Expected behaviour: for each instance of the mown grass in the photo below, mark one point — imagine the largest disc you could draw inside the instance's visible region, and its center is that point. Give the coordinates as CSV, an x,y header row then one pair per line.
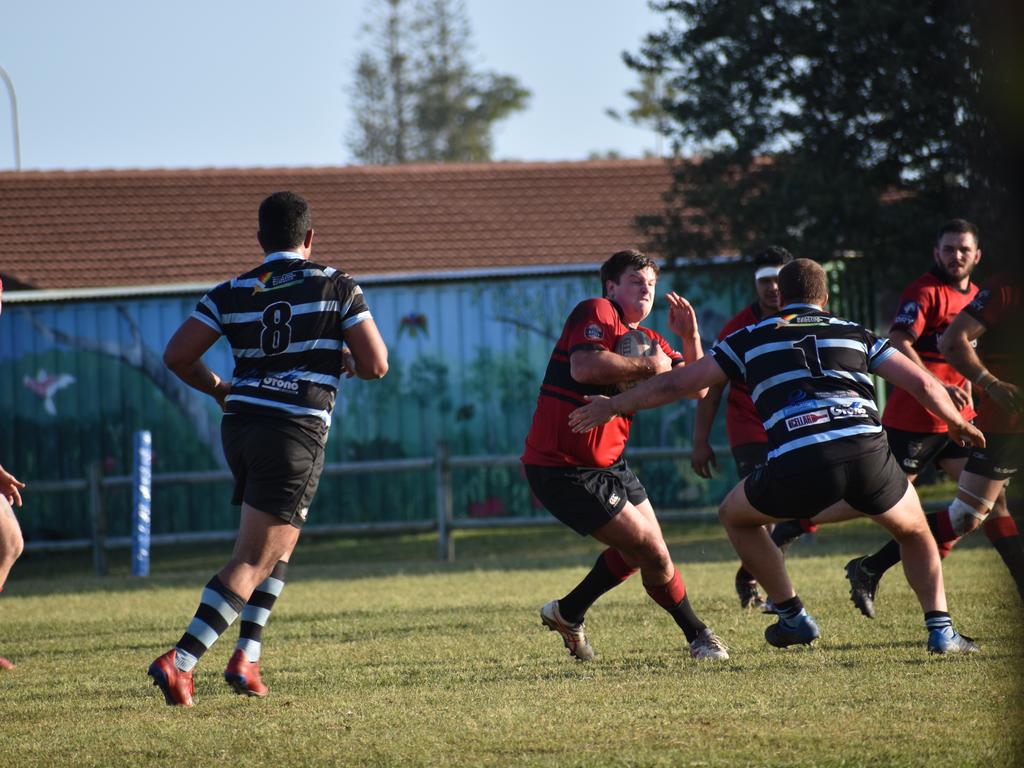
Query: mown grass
x,y
378,655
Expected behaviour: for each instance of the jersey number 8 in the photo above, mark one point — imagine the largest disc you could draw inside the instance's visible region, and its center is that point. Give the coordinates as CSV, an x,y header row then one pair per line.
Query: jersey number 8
x,y
277,330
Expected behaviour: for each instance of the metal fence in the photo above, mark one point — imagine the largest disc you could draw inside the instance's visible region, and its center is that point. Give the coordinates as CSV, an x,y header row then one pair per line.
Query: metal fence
x,y
440,465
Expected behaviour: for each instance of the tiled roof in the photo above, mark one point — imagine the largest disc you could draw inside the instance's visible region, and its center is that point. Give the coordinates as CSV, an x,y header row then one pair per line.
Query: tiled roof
x,y
94,229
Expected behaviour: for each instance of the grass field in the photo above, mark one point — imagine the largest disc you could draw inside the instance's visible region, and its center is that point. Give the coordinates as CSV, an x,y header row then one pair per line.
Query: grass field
x,y
377,655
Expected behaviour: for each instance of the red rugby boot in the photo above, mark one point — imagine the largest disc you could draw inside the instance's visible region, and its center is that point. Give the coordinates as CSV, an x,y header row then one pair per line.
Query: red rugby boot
x,y
177,686
244,675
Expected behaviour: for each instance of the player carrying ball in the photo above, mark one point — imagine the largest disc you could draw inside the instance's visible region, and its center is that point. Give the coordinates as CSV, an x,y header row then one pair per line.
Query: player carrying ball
x,y
583,479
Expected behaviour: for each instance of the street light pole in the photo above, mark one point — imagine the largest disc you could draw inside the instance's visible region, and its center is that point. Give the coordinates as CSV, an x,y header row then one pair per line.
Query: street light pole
x,y
14,118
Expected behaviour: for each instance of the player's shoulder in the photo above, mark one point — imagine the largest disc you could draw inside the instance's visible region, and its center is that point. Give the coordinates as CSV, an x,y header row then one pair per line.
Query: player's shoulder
x,y
595,308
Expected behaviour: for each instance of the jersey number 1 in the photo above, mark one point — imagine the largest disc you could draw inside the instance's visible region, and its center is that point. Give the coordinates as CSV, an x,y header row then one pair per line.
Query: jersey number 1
x,y
808,347
277,329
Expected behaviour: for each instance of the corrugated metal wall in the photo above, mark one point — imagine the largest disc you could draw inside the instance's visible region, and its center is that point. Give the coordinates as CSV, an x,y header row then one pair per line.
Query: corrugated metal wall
x,y
77,378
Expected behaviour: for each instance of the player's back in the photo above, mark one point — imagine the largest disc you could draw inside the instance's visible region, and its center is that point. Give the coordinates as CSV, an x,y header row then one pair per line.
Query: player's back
x,y
284,321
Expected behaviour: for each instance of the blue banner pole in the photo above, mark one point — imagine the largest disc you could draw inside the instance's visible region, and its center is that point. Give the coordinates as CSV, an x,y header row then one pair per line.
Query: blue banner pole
x,y
142,479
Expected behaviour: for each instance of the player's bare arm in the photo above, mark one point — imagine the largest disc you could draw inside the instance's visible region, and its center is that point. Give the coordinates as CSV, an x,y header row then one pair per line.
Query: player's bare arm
x,y
10,487
183,356
929,391
957,346
904,342
602,367
682,319
365,354
682,381
703,460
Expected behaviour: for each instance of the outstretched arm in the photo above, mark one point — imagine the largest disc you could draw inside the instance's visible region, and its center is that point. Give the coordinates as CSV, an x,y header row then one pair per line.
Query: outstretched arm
x,y
929,391
682,381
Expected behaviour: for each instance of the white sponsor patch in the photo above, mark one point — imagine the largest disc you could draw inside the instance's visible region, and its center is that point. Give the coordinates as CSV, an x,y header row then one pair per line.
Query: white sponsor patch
x,y
847,411
613,499
807,419
279,385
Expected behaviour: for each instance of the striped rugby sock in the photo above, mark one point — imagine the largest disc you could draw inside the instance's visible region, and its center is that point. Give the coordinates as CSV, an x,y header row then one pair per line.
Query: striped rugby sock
x,y
218,608
257,612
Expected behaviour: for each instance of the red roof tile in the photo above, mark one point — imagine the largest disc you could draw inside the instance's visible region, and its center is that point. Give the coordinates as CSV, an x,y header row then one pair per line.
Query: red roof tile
x,y
93,229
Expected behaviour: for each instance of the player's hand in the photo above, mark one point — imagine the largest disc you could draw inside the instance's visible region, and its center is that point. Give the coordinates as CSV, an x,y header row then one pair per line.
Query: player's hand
x,y
662,362
682,318
220,392
596,412
348,362
966,434
702,459
961,397
10,487
1005,395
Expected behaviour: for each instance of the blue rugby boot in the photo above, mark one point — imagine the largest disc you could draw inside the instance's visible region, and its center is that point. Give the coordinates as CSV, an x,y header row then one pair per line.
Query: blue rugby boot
x,y
804,632
947,640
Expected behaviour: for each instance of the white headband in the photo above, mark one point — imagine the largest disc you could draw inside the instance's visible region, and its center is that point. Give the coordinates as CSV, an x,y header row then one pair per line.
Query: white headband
x,y
764,272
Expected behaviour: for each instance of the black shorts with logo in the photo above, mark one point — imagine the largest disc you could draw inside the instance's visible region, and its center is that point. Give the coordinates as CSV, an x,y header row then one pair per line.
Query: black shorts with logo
x,y
871,484
1001,457
748,457
585,498
276,464
914,451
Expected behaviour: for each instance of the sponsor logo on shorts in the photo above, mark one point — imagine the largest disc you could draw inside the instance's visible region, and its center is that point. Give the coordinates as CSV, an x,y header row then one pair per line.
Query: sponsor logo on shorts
x,y
847,411
914,447
910,463
614,499
593,331
807,419
907,314
302,513
1004,470
278,384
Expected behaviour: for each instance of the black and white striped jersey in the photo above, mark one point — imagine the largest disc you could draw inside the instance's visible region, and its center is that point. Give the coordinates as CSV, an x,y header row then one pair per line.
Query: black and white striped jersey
x,y
809,377
284,321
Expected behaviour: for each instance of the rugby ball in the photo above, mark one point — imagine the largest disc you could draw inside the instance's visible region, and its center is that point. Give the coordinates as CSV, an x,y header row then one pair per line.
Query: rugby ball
x,y
633,343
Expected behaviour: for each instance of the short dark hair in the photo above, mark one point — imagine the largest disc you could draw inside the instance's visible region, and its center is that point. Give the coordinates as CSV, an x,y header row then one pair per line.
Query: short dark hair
x,y
803,280
772,256
284,221
960,227
620,261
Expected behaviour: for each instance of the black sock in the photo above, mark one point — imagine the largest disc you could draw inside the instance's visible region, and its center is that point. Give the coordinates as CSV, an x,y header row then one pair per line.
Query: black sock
x,y
608,572
786,532
687,619
789,610
743,575
1011,549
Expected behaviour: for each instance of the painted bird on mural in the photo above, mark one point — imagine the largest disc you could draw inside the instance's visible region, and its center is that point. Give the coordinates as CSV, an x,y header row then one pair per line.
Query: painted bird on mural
x,y
414,323
46,385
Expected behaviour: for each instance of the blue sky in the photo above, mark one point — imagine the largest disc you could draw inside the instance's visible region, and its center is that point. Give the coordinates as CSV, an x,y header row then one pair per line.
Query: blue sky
x,y
184,84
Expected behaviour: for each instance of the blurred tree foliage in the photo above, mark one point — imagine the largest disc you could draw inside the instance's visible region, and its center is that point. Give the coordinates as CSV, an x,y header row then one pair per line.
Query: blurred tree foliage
x,y
831,126
416,94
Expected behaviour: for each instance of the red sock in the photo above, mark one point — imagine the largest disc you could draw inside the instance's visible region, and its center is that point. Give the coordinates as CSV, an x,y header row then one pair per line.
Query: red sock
x,y
1000,528
670,594
617,564
944,528
808,526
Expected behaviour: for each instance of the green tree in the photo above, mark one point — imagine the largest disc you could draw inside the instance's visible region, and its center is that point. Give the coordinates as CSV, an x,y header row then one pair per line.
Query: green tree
x,y
416,96
828,126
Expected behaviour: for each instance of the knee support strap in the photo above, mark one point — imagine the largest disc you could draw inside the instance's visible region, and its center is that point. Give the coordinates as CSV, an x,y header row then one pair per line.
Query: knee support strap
x,y
960,513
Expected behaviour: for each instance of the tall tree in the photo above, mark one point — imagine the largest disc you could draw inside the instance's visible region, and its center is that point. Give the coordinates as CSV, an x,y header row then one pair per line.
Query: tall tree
x,y
829,126
417,98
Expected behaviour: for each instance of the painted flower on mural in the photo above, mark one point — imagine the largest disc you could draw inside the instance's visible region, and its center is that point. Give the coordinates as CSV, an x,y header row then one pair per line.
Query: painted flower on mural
x,y
46,385
414,324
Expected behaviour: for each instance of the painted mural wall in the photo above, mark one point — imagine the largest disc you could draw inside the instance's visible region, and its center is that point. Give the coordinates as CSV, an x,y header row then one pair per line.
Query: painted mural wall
x,y
77,378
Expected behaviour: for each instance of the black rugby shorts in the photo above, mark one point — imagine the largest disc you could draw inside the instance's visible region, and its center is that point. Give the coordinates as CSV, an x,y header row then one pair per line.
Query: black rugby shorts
x,y
748,457
871,484
276,465
914,451
1001,457
585,498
